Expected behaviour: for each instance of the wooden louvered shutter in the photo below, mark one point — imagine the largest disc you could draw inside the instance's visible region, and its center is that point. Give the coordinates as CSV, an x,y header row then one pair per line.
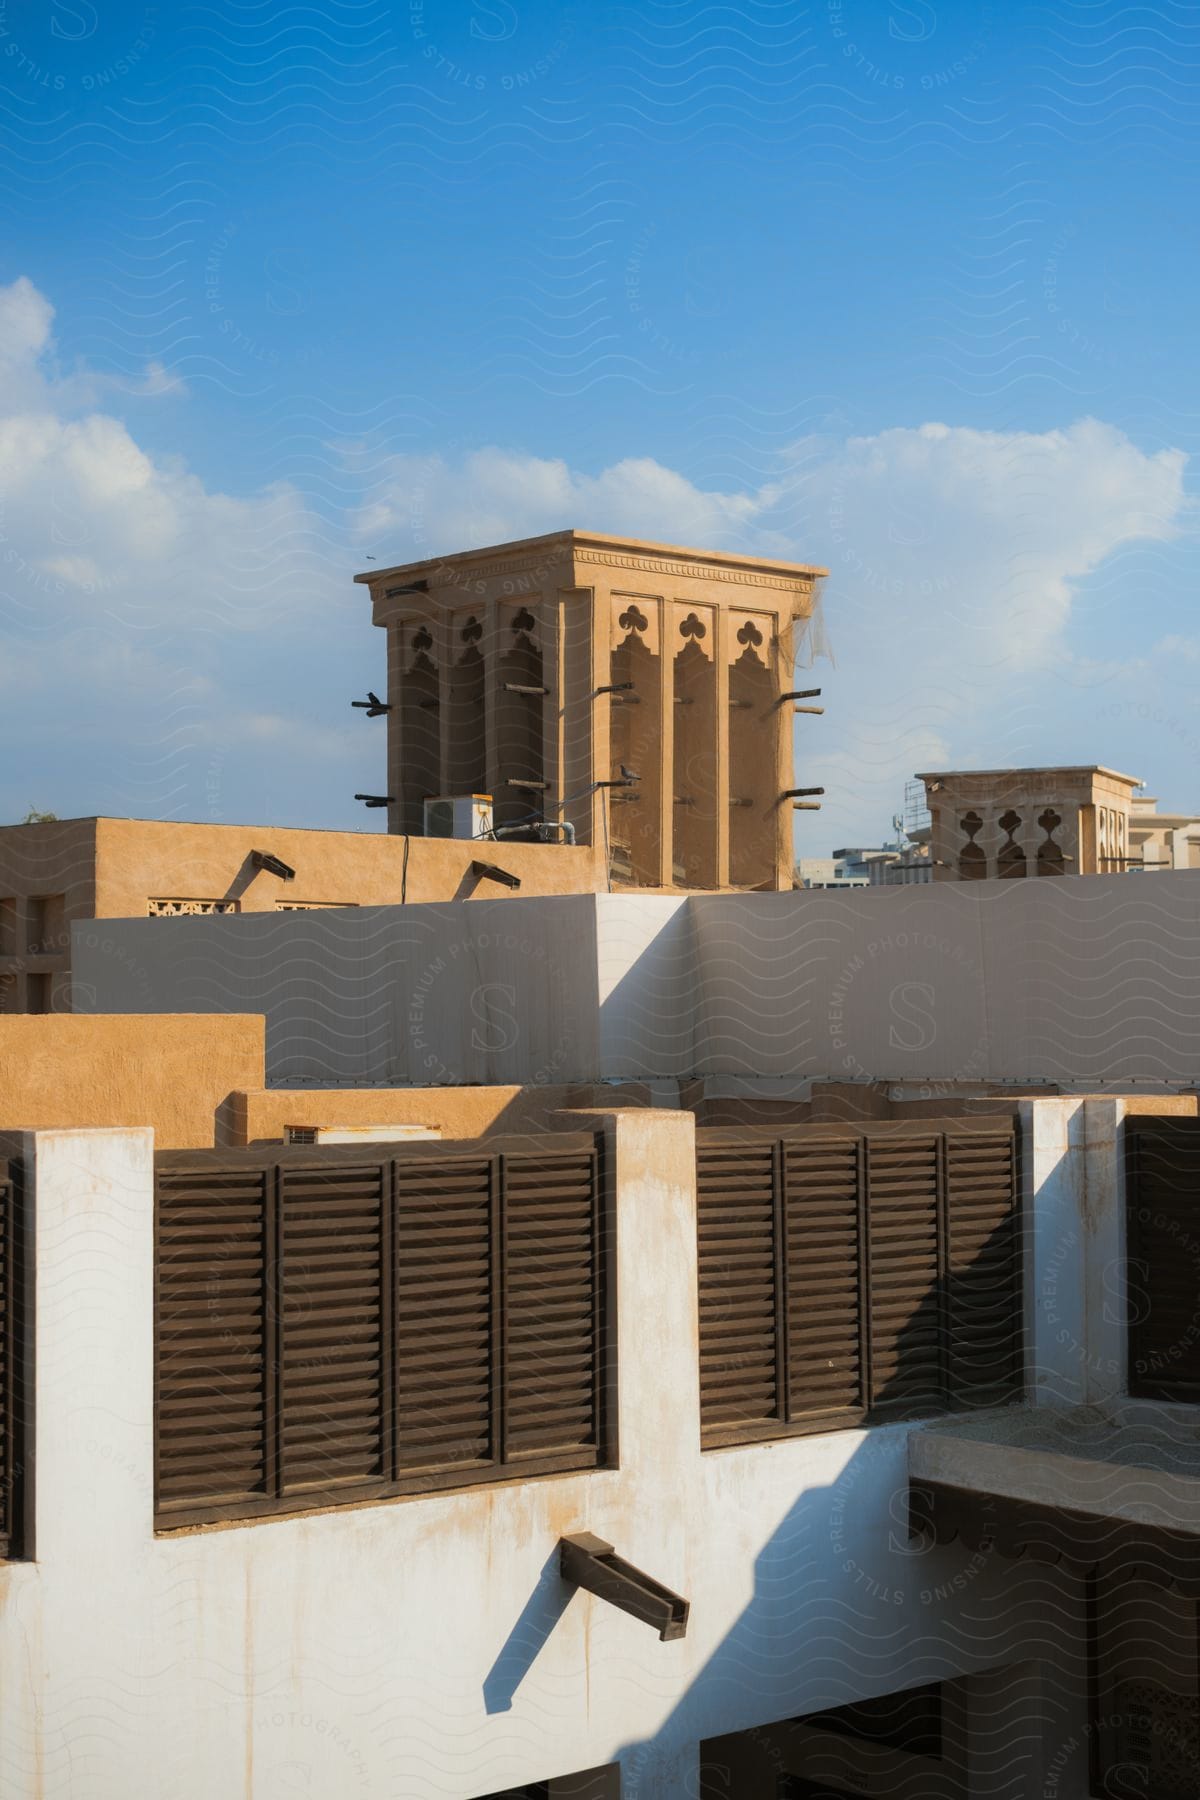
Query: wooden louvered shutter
x,y
213,1254
446,1214
1163,1232
985,1300
551,1322
824,1280
333,1239
7,1357
905,1274
740,1297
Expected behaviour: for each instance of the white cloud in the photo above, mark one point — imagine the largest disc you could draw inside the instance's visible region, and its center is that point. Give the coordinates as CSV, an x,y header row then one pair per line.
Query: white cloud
x,y
974,538
86,514
957,556
26,317
426,506
977,540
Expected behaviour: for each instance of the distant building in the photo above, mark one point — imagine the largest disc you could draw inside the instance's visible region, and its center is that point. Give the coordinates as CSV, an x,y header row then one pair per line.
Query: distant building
x,y
1016,822
901,868
1077,820
1162,840
844,869
890,865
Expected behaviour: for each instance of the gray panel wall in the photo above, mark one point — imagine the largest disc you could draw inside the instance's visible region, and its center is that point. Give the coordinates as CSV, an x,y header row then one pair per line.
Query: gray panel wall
x,y
1080,979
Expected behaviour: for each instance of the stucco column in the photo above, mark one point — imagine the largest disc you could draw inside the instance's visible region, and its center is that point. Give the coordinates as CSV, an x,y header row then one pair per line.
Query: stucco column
x,y
723,654
1104,1250
549,612
493,679
1074,1207
666,751
93,1211
658,1359
395,726
99,1673
585,750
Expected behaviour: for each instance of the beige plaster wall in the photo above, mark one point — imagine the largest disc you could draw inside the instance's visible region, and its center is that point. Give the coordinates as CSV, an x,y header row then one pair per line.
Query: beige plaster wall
x,y
47,881
139,858
173,1072
457,1112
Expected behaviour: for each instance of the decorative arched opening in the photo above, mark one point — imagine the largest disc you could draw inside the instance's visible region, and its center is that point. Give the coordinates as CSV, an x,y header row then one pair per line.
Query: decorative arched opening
x,y
1050,858
420,729
972,861
1011,862
635,738
520,751
694,809
753,800
466,712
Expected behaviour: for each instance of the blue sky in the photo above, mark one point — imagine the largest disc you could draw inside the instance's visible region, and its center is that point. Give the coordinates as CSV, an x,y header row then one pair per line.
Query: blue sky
x,y
906,289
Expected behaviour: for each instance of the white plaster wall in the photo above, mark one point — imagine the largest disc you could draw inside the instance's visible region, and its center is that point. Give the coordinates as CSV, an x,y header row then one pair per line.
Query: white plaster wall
x,y
425,1648
648,978
1084,980
1074,1200
1075,979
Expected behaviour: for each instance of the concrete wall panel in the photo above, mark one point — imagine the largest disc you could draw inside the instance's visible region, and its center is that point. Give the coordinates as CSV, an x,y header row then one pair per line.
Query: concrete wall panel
x,y
1087,979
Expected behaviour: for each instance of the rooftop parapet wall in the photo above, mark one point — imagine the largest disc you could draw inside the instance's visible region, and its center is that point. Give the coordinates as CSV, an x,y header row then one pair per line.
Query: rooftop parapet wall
x,y
176,1075
62,873
1081,982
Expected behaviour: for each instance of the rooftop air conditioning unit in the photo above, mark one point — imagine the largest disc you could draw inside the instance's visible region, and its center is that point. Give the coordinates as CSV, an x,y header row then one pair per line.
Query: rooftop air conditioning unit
x,y
458,816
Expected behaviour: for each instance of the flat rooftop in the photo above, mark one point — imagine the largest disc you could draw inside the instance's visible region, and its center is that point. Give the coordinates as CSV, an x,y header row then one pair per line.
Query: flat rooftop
x,y
1034,769
1135,1460
564,542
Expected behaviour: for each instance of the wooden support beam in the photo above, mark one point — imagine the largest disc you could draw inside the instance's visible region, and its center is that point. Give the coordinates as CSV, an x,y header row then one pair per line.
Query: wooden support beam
x,y
588,1562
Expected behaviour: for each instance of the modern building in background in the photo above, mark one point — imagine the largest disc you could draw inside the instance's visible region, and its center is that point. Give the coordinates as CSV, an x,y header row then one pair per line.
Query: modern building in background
x,y
1159,840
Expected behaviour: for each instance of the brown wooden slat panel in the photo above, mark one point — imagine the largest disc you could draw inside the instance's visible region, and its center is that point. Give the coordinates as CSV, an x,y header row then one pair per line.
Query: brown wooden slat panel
x,y
378,1367
1163,1227
856,1272
985,1297
551,1282
331,1403
824,1336
739,1317
7,1357
444,1277
903,1276
211,1343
